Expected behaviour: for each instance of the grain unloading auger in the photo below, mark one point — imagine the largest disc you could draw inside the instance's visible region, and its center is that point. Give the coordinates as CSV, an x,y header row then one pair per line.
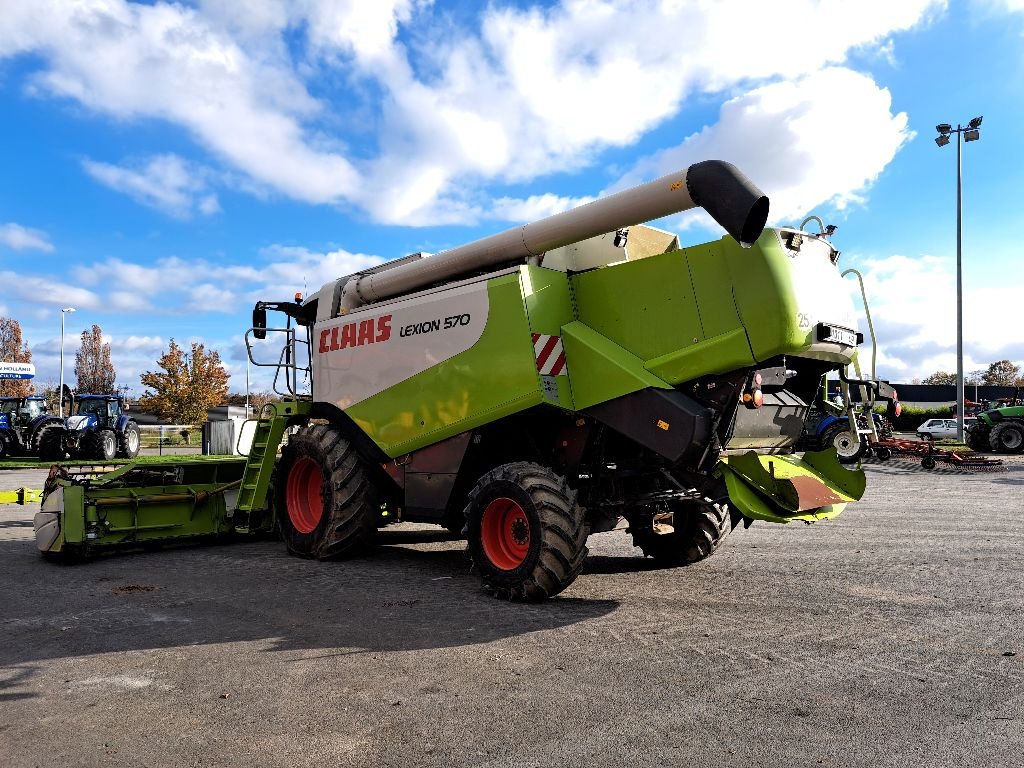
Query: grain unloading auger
x,y
557,379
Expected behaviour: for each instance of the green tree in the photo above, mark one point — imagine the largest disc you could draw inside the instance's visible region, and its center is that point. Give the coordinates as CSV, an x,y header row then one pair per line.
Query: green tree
x,y
189,385
93,367
14,349
1002,372
940,377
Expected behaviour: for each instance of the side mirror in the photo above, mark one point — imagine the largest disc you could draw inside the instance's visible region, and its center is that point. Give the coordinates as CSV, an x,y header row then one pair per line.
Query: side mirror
x,y
259,322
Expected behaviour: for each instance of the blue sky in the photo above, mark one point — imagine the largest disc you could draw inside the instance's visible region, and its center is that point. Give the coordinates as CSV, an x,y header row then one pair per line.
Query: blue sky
x,y
166,164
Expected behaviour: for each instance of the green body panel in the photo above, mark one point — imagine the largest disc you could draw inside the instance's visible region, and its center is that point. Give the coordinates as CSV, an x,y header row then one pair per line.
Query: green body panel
x,y
645,306
1010,412
547,298
762,486
604,370
106,513
494,378
549,307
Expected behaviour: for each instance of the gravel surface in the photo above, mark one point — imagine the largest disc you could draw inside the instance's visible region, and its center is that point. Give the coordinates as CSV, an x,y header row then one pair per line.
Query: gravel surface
x,y
892,636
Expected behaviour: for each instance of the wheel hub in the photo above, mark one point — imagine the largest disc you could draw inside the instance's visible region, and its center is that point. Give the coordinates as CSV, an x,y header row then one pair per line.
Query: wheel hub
x,y
505,534
304,495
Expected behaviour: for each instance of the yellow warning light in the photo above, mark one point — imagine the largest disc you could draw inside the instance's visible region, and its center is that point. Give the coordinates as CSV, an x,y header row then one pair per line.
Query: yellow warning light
x,y
661,424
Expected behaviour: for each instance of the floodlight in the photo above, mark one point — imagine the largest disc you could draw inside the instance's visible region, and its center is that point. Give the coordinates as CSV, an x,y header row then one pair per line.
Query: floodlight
x,y
975,123
972,134
943,127
942,140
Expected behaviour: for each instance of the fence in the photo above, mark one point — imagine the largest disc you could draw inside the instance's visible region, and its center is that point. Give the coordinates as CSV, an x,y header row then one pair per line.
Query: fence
x,y
171,438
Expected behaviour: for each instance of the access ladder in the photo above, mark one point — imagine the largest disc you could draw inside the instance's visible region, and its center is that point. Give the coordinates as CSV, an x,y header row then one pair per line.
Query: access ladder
x,y
270,426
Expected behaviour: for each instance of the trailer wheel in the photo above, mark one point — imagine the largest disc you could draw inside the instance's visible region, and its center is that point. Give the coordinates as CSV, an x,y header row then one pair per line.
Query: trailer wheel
x,y
928,462
324,498
698,528
1007,437
526,532
129,441
847,448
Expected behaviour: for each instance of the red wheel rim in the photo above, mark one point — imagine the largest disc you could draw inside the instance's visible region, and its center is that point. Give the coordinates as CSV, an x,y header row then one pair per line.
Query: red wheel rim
x,y
304,495
505,534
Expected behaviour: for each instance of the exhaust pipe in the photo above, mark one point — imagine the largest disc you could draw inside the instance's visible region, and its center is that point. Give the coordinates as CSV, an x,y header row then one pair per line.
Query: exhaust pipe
x,y
718,187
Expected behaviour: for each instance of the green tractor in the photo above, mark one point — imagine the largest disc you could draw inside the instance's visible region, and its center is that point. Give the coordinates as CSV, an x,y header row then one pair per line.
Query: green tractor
x,y
1000,429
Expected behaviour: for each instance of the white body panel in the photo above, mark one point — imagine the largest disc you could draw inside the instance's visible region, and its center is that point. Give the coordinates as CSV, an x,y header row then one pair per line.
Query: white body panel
x,y
356,356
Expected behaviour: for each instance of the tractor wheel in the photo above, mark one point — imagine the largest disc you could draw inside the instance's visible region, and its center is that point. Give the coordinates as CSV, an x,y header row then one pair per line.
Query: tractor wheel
x,y
692,533
100,444
847,448
1007,437
50,444
325,501
526,533
129,441
5,446
977,438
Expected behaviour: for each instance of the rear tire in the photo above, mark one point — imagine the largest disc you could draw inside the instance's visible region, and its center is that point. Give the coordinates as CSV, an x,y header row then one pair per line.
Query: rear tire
x,y
129,441
1007,437
698,529
526,533
839,437
51,444
100,444
325,501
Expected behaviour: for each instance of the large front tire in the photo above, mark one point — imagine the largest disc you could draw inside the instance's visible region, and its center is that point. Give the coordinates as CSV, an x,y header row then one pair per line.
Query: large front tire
x,y
324,499
697,529
526,533
129,441
1007,437
100,444
977,438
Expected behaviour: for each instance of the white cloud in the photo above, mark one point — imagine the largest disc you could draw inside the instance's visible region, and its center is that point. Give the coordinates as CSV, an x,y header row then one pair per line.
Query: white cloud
x,y
165,182
913,306
533,207
43,290
165,61
818,140
531,92
24,239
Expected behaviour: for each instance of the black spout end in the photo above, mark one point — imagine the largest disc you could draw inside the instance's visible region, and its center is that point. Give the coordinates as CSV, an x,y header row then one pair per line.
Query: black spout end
x,y
731,198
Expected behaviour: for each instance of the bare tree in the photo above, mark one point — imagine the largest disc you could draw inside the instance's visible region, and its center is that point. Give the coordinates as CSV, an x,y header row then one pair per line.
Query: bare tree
x,y
93,368
13,349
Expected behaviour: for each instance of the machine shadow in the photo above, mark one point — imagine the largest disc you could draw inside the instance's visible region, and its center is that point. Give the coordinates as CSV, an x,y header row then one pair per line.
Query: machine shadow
x,y
401,597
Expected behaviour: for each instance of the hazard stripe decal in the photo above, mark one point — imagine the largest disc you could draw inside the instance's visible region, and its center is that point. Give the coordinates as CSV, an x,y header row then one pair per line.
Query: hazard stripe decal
x,y
550,355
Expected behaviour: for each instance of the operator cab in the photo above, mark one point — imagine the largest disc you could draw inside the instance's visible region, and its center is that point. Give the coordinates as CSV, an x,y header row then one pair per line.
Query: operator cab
x,y
106,410
31,409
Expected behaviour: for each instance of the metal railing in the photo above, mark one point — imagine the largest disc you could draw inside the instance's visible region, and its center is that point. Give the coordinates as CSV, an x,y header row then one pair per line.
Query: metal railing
x,y
287,365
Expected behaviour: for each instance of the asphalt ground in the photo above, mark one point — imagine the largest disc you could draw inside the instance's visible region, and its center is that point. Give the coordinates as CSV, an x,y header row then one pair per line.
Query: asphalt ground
x,y
883,638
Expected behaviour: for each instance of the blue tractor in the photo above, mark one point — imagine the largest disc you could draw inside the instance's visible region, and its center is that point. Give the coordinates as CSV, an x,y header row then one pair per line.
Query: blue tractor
x,y
26,426
100,429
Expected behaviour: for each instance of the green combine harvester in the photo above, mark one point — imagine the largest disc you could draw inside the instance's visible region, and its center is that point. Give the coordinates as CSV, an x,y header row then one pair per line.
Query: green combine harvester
x,y
570,376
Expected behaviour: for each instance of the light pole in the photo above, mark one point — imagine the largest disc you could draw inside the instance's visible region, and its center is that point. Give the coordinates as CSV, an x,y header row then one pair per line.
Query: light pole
x,y
969,133
60,392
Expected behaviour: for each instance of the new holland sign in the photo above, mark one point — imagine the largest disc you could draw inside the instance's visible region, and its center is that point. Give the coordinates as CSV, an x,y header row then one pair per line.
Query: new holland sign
x,y
17,370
